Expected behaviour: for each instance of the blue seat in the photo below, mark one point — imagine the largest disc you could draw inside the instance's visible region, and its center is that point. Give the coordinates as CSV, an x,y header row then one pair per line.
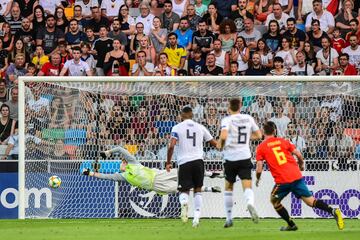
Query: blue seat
x,y
75,137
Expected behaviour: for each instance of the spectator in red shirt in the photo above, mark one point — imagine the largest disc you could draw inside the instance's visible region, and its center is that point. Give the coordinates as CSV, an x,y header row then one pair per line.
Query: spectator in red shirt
x,y
51,68
345,68
354,26
338,43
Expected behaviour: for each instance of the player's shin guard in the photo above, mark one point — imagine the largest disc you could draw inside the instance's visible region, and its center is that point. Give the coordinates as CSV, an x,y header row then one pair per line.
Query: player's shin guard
x,y
284,215
249,196
197,205
228,201
323,206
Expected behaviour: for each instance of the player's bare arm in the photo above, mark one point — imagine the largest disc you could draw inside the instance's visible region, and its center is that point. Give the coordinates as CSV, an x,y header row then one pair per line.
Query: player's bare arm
x,y
170,153
300,159
256,135
259,169
222,139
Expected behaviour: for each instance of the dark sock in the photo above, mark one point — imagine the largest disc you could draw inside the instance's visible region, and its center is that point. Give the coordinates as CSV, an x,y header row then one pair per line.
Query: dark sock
x,y
323,206
284,215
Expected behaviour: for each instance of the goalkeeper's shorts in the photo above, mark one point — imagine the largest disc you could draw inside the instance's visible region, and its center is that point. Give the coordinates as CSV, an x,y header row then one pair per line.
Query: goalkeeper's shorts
x,y
166,182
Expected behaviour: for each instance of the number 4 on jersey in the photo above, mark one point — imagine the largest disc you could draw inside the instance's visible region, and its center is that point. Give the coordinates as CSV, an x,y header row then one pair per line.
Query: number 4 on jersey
x,y
193,136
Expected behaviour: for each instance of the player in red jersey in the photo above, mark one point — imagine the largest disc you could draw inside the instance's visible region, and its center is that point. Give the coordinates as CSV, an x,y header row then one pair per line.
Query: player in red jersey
x,y
278,154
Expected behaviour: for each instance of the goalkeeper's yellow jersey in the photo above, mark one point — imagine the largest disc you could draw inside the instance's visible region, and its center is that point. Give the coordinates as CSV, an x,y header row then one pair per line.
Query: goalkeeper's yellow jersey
x,y
139,176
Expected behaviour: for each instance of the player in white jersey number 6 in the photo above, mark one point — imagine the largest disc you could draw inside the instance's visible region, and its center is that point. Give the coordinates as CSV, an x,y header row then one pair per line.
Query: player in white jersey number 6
x,y
152,179
190,137
236,132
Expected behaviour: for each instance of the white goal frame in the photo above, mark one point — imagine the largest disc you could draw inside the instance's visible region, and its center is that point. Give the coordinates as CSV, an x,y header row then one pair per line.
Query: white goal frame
x,y
219,79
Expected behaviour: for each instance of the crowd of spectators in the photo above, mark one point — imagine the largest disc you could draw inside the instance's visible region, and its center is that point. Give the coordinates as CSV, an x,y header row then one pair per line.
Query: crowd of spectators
x,y
176,37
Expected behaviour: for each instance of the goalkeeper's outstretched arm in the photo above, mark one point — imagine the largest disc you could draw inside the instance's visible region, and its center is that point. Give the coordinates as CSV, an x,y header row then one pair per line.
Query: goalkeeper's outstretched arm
x,y
127,156
114,176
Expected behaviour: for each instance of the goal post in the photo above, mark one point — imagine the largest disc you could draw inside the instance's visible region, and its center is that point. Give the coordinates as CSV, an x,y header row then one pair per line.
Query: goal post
x,y
64,122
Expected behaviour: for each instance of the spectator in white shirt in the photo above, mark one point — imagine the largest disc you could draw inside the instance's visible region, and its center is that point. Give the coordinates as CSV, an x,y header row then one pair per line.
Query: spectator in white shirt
x,y
279,16
327,21
76,66
145,17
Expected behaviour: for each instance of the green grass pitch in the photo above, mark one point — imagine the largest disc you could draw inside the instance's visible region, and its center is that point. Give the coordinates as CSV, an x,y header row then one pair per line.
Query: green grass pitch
x,y
173,229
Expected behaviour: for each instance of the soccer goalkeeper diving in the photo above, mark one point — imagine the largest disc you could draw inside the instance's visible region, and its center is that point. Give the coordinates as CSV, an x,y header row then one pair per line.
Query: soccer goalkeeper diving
x,y
152,179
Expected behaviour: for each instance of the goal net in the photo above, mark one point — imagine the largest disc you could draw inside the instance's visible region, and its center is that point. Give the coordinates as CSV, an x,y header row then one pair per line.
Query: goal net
x,y
66,122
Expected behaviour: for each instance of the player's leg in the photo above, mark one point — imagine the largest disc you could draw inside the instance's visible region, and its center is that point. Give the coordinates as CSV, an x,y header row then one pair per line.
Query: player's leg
x,y
198,181
166,182
301,190
230,171
277,194
184,185
245,167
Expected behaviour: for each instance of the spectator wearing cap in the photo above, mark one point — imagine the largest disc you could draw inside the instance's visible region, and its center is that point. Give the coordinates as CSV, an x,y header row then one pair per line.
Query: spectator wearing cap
x,y
50,36
177,54
326,19
145,17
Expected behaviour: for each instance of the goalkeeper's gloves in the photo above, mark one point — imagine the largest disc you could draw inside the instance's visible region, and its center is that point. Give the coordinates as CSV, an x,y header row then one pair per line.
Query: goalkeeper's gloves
x,y
105,154
86,171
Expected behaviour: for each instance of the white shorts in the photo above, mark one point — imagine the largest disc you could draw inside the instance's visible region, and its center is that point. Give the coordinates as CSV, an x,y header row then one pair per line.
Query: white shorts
x,y
166,182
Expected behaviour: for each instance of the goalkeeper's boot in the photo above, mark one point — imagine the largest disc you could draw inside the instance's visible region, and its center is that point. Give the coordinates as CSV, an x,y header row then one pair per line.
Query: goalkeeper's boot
x,y
216,189
289,228
253,213
228,223
184,213
195,223
338,218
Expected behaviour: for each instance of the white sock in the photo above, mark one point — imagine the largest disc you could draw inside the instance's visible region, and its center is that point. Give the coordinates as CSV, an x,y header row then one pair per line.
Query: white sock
x,y
228,200
184,198
249,196
197,205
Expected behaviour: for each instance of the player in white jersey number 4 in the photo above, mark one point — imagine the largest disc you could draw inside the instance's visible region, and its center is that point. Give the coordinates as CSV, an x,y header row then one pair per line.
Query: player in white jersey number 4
x,y
190,137
152,179
236,132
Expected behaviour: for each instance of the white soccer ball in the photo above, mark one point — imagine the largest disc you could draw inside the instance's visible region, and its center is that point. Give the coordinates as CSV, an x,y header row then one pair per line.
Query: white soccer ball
x,y
54,182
